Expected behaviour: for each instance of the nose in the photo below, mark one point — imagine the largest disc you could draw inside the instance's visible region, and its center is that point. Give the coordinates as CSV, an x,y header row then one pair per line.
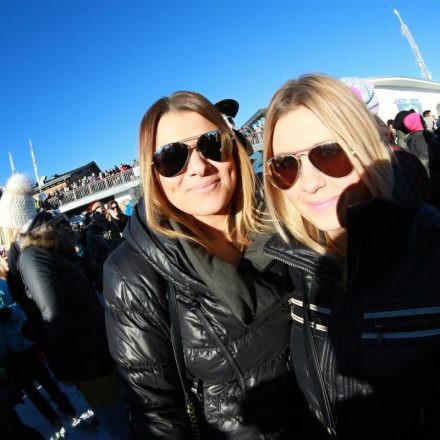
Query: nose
x,y
310,179
197,165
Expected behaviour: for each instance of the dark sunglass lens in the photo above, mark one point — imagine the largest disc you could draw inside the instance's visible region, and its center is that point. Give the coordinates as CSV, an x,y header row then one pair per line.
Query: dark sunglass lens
x,y
170,159
331,159
283,171
210,145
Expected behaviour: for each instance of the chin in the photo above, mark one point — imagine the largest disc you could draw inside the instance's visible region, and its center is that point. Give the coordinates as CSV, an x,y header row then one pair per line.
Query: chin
x,y
205,208
325,224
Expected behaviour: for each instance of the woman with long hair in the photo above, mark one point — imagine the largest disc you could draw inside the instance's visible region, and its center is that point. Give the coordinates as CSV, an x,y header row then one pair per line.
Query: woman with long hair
x,y
196,315
363,258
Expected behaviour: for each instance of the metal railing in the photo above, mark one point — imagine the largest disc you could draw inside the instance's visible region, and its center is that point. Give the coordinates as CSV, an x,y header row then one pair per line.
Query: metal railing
x,y
96,187
255,138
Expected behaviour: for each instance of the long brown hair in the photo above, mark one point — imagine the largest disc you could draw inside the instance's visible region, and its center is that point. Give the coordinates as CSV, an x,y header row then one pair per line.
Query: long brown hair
x,y
242,218
352,126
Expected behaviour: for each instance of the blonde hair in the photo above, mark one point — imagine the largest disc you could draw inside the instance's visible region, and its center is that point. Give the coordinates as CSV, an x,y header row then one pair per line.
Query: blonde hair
x,y
8,236
242,218
352,126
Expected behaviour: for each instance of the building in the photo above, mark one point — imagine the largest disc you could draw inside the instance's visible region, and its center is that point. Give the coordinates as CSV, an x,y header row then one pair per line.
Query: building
x,y
57,182
396,93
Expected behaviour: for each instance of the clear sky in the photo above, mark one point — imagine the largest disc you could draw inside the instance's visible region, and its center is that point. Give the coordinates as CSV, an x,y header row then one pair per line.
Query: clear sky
x,y
76,76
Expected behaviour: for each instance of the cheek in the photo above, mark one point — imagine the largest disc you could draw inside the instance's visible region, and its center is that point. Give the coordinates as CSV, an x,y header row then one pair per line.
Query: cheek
x,y
292,195
170,185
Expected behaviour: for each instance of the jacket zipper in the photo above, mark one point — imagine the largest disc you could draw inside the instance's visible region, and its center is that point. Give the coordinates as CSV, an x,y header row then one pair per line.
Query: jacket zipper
x,y
196,308
328,410
276,255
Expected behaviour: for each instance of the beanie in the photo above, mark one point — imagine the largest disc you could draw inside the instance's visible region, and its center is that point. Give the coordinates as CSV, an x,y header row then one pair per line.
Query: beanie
x,y
364,90
17,206
413,122
398,119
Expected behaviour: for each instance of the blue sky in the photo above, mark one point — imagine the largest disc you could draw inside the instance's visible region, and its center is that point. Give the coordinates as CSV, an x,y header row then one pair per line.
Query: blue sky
x,y
76,76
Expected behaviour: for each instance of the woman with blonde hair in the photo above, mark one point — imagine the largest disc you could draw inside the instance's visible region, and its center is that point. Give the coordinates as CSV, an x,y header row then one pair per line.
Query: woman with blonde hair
x,y
196,315
363,258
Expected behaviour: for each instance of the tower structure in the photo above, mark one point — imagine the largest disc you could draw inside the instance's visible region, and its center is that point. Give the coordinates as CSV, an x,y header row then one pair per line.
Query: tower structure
x,y
419,59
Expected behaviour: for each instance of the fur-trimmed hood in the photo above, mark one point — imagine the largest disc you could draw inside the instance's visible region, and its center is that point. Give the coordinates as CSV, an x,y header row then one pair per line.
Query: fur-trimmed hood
x,y
46,236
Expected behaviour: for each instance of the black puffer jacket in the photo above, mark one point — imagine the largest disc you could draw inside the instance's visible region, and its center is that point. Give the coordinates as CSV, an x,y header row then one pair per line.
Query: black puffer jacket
x,y
73,318
426,146
259,402
377,336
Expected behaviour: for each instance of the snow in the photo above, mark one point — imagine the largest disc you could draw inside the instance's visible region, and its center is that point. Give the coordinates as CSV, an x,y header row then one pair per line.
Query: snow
x,y
82,429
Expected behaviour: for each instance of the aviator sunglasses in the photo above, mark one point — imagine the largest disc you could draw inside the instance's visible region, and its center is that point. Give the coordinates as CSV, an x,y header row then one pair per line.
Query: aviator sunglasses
x,y
329,158
171,159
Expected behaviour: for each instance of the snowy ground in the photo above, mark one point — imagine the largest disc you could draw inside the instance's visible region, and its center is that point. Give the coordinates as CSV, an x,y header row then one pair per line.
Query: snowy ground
x,y
82,431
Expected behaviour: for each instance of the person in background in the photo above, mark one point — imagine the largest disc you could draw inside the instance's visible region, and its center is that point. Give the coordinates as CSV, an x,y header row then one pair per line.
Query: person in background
x,y
423,143
77,350
429,120
17,209
362,253
426,146
22,360
101,238
11,426
193,248
401,130
229,109
116,217
390,126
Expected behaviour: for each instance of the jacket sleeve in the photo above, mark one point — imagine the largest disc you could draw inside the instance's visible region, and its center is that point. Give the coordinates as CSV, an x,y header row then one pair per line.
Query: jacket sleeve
x,y
41,276
138,334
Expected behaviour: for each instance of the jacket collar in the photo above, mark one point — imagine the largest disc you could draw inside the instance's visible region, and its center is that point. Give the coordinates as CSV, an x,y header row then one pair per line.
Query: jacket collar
x,y
163,253
376,219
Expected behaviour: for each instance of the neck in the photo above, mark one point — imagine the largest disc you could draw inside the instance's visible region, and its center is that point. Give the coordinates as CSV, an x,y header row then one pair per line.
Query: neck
x,y
220,243
338,241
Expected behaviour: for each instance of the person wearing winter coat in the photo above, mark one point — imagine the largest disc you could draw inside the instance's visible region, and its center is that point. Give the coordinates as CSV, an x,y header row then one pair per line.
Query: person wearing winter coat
x,y
101,238
17,208
192,245
77,350
23,363
115,216
425,145
364,261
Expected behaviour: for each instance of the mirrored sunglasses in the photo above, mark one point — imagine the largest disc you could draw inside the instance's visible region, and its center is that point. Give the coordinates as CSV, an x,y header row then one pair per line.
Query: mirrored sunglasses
x,y
171,159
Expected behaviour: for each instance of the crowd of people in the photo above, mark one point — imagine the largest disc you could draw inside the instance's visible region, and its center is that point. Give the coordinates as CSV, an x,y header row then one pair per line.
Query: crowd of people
x,y
302,302
54,197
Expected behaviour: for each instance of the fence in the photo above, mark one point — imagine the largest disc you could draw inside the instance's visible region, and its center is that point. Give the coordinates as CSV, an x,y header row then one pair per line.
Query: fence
x,y
97,186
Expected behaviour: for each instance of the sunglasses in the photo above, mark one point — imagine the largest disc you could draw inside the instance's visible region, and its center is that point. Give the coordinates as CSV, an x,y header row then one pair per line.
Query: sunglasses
x,y
329,158
113,208
171,159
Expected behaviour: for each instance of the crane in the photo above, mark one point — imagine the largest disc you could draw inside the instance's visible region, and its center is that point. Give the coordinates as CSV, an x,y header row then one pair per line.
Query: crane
x,y
406,33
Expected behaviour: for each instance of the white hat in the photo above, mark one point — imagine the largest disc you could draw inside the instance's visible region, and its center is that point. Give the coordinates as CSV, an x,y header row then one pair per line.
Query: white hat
x,y
17,206
365,91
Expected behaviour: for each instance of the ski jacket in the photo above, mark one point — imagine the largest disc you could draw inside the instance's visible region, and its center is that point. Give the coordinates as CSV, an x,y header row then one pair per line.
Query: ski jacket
x,y
366,350
73,318
235,341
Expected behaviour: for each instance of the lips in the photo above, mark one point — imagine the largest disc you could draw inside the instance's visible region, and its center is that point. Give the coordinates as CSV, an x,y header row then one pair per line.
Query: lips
x,y
323,204
204,187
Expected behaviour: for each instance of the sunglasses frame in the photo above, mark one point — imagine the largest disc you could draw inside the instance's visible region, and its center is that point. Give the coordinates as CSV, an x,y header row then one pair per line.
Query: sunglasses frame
x,y
305,152
193,147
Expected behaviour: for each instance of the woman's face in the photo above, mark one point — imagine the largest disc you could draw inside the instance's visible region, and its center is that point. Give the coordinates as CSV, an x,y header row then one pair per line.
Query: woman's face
x,y
319,198
205,187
